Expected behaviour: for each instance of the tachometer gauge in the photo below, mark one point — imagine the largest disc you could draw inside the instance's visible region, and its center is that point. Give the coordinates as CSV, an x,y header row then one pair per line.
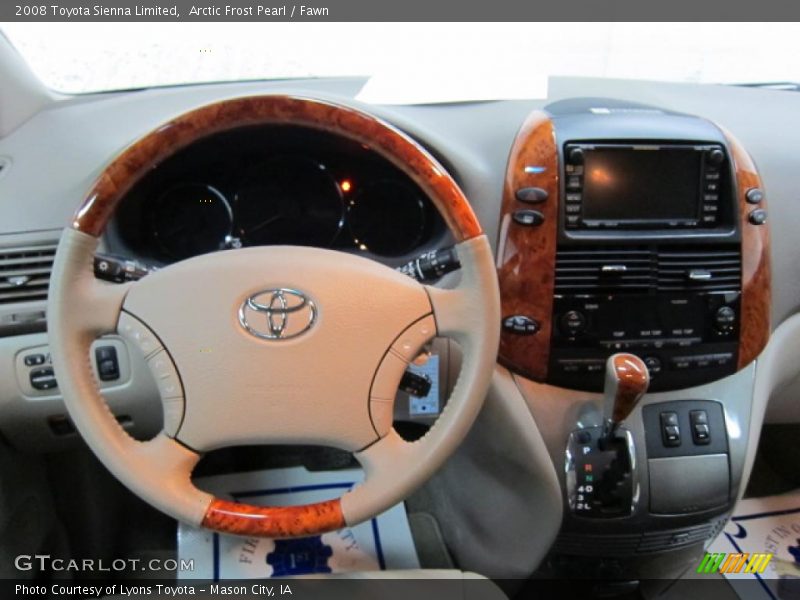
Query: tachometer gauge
x,y
289,200
387,217
190,219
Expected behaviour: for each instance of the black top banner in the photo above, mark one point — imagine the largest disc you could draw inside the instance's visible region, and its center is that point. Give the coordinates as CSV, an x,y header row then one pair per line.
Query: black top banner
x,y
393,10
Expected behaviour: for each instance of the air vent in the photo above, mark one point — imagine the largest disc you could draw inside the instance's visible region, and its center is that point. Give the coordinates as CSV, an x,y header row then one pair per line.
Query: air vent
x,y
604,270
699,269
641,269
25,273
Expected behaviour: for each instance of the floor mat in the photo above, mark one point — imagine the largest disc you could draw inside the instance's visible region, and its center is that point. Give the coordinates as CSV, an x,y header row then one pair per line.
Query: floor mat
x,y
761,527
381,543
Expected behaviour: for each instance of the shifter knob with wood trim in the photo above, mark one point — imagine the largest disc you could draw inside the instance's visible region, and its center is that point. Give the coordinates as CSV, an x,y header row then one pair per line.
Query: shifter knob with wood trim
x,y
626,382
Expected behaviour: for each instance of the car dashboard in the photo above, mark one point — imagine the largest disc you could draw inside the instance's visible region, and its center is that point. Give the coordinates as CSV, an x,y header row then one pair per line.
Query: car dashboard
x,y
693,280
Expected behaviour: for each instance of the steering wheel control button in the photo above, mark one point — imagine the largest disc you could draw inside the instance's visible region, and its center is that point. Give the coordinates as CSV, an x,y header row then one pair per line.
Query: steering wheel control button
x,y
382,414
528,218
43,379
107,363
758,216
138,334
387,379
170,389
521,325
169,384
754,196
173,415
531,195
409,343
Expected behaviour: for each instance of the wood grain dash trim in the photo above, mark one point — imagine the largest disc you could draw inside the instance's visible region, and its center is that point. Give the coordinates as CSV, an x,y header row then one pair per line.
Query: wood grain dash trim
x,y
756,302
526,256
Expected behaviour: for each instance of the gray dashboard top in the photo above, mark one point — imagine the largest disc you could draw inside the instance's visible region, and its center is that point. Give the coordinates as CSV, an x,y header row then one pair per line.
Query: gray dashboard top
x,y
57,153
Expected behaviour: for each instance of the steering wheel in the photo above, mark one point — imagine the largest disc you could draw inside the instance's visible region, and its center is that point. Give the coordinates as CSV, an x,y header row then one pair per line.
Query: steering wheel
x,y
276,344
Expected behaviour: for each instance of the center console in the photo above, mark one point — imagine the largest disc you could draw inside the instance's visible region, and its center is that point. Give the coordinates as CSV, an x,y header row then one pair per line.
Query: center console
x,y
631,229
636,239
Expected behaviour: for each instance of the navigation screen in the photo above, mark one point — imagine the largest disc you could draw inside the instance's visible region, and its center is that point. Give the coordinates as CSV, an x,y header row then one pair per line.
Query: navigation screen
x,y
626,184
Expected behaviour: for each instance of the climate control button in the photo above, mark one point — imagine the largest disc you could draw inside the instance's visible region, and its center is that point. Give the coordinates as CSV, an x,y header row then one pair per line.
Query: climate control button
x,y
573,322
724,318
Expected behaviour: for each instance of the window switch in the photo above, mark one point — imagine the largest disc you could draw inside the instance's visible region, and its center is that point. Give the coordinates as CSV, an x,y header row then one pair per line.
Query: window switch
x,y
700,431
670,431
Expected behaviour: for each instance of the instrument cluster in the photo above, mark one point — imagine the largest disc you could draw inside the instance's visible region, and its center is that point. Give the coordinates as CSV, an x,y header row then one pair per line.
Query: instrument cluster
x,y
276,185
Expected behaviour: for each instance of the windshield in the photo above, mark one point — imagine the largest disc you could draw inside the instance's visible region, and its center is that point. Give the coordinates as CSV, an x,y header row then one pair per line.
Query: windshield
x,y
502,60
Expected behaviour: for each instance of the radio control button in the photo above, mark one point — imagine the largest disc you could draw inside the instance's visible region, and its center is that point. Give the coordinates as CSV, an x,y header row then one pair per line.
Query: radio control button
x,y
710,208
758,216
710,197
573,182
573,220
716,157
531,195
572,209
576,156
754,196
712,175
573,197
709,219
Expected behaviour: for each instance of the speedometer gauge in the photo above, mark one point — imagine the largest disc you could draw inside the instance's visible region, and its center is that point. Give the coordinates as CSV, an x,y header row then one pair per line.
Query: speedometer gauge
x,y
289,200
190,219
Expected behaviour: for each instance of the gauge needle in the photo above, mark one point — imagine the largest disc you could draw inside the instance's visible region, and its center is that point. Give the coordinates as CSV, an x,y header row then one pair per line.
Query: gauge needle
x,y
264,223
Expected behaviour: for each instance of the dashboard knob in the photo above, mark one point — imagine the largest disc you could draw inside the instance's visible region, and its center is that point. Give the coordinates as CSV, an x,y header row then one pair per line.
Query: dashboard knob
x,y
576,156
716,157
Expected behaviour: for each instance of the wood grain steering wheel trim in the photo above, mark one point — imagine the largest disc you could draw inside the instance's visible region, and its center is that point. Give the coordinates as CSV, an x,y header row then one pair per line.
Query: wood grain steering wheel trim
x,y
274,521
118,177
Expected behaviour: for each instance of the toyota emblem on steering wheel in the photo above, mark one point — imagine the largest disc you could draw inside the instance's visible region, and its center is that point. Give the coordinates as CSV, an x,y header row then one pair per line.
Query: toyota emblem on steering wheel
x,y
277,314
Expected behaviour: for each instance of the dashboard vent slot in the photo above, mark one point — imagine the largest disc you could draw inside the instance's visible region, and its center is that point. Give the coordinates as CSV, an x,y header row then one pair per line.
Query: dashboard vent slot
x,y
25,273
604,270
699,269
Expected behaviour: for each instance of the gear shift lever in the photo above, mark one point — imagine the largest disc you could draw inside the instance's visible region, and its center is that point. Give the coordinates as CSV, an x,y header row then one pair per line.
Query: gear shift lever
x,y
626,382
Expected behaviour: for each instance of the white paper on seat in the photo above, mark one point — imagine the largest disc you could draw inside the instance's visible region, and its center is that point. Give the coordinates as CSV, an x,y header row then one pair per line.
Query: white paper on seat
x,y
768,525
382,543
